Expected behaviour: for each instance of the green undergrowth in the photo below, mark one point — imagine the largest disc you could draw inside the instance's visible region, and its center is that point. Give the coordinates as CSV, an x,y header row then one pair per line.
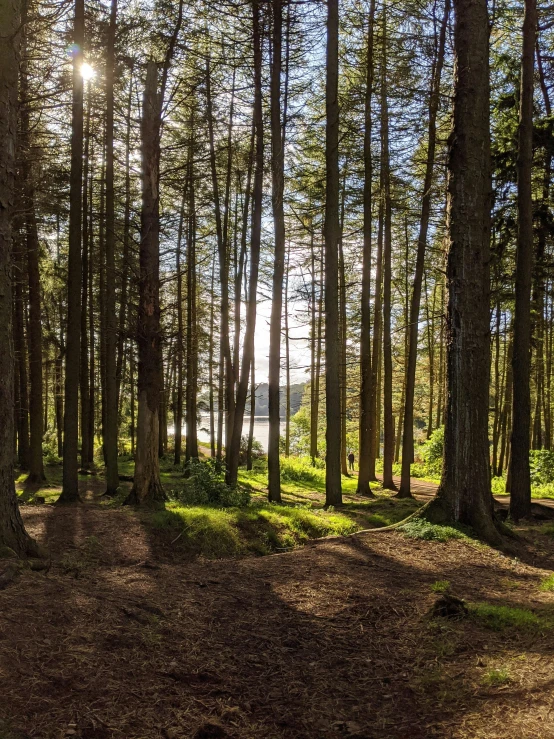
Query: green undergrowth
x,y
538,490
495,677
421,529
255,529
548,584
264,528
502,617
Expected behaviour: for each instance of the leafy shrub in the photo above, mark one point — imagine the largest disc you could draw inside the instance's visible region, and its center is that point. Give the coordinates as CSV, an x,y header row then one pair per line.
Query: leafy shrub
x,y
50,448
420,529
433,451
257,450
205,485
541,462
300,469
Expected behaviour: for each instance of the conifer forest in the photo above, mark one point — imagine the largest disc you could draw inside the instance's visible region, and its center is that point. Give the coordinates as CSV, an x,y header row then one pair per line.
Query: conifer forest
x,y
277,369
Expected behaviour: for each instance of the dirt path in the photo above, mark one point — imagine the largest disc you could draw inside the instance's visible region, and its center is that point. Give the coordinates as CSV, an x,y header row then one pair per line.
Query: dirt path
x,y
426,490
326,642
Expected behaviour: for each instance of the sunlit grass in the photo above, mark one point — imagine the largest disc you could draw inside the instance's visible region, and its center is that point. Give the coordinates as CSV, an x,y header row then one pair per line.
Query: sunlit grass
x,y
548,584
501,617
495,677
258,529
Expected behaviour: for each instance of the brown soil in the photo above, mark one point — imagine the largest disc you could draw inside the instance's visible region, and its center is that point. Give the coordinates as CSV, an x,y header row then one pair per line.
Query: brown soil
x,y
326,642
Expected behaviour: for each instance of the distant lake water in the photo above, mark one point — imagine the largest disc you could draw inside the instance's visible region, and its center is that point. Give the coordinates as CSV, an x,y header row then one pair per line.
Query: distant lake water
x,y
261,429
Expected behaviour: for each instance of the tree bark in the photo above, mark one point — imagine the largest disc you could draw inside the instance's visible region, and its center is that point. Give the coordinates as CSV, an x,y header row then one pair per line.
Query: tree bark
x,y
520,500
112,416
233,445
20,346
277,189
434,100
70,477
333,489
211,364
12,531
192,328
388,447
178,406
227,379
124,290
464,493
364,468
147,487
36,427
84,378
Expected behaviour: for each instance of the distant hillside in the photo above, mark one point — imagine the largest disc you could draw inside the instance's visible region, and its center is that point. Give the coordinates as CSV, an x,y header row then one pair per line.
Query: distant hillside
x,y
296,393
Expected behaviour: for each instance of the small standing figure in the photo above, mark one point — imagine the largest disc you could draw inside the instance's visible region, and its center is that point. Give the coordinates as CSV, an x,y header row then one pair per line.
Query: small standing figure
x,y
351,461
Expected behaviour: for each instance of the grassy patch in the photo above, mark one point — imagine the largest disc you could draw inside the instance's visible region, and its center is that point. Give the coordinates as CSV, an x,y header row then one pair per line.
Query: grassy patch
x,y
548,584
500,618
538,490
420,529
496,677
257,529
440,586
543,491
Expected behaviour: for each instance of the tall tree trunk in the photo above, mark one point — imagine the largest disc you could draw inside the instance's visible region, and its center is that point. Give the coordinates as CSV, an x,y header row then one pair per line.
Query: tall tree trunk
x,y
227,379
400,424
147,486
375,385
365,454
20,346
506,410
520,500
233,445
36,466
498,386
162,415
342,332
112,419
277,189
12,531
441,400
70,477
319,352
192,328
464,493
434,100
211,364
91,323
102,303
431,354
313,344
132,428
124,290
179,358
333,490
252,414
388,447
86,461
287,358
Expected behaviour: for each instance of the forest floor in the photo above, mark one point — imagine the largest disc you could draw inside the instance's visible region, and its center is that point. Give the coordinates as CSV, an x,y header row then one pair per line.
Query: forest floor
x,y
130,636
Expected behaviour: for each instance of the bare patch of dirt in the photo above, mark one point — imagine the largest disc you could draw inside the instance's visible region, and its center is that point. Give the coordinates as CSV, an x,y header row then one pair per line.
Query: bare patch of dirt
x,y
326,642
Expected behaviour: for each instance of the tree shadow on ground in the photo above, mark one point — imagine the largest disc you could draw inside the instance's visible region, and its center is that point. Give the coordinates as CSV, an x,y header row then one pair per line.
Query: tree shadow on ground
x,y
327,642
